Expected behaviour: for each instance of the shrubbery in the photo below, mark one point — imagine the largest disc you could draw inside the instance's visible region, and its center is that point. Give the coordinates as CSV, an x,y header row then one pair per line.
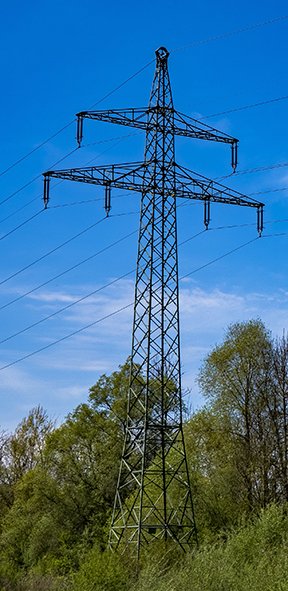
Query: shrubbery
x,y
57,485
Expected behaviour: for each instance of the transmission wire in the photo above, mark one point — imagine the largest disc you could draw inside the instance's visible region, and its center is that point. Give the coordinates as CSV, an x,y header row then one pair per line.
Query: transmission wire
x,y
73,120
45,255
117,311
122,138
245,107
64,308
66,336
22,224
231,33
69,269
86,296
36,177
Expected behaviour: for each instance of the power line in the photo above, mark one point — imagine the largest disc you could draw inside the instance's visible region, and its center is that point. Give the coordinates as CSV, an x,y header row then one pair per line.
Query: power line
x,y
274,235
55,164
51,137
92,256
64,308
26,205
22,158
117,311
248,171
246,107
129,194
269,191
84,201
19,209
262,168
119,138
231,226
246,29
99,199
122,84
73,203
22,224
86,296
80,263
36,177
45,255
255,169
231,175
56,184
111,139
193,44
220,257
66,336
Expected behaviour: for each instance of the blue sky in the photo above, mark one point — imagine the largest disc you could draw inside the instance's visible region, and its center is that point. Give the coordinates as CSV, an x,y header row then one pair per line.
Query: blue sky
x,y
61,57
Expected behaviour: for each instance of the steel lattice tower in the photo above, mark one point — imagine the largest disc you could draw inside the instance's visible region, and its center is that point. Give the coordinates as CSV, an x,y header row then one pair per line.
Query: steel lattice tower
x,y
153,498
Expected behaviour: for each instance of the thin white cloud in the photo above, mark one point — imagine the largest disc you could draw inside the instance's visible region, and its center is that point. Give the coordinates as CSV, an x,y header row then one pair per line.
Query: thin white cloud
x,y
53,297
59,378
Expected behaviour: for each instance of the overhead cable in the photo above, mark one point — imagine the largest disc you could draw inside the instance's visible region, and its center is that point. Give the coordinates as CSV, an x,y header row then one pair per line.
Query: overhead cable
x,y
114,313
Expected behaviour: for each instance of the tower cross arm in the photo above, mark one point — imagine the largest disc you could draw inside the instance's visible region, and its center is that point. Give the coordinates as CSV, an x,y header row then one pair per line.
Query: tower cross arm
x,y
197,187
189,127
183,124
129,117
121,176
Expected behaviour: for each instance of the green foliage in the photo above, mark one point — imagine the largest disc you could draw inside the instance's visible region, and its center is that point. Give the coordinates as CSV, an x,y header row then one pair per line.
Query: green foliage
x,y
26,445
62,484
104,571
211,451
57,485
21,452
255,558
33,528
246,388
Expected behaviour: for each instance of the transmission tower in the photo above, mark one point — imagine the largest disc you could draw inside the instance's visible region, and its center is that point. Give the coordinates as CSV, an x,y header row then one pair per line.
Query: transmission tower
x,y
153,498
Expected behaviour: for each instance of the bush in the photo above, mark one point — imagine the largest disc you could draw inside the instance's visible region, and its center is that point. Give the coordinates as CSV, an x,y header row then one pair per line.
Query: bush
x,y
103,571
252,559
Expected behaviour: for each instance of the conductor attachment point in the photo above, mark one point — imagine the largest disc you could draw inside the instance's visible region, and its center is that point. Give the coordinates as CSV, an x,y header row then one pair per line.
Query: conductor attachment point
x,y
46,190
107,203
79,135
234,155
206,213
260,219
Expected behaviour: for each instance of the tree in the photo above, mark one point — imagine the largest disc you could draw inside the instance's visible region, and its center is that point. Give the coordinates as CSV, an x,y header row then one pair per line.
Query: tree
x,y
236,380
20,452
23,450
277,404
64,481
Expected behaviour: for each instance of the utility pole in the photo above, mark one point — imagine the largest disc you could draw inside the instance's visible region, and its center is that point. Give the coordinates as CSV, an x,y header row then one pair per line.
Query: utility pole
x,y
153,498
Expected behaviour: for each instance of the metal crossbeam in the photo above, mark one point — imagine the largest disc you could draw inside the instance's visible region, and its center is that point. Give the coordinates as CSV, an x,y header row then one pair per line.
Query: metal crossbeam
x,y
140,118
153,498
133,177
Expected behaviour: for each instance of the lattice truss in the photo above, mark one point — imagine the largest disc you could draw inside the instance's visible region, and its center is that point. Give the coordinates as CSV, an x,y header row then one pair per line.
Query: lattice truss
x,y
153,498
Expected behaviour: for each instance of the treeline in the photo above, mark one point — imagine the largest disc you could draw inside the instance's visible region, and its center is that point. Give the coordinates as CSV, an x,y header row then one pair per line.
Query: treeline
x,y
57,484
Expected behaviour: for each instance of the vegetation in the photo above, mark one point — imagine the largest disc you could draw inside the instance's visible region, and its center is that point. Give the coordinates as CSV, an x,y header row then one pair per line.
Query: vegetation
x,y
57,484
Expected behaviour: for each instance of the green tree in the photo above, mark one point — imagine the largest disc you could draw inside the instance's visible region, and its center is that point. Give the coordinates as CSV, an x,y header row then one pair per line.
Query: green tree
x,y
236,380
23,450
212,451
64,481
277,405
